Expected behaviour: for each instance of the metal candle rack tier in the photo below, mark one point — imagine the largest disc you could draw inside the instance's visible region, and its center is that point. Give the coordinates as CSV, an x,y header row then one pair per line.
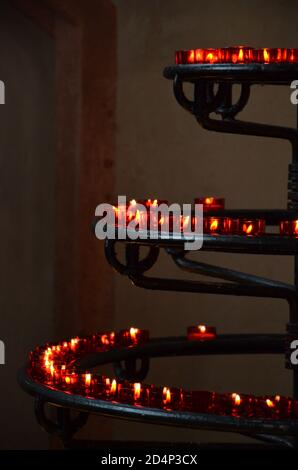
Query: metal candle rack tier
x,y
207,99
212,93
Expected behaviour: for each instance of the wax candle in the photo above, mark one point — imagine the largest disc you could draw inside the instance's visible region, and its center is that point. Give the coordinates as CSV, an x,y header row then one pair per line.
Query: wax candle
x,y
289,227
201,333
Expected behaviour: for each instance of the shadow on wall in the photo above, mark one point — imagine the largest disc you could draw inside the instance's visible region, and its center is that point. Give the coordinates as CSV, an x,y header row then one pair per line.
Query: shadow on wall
x,y
27,212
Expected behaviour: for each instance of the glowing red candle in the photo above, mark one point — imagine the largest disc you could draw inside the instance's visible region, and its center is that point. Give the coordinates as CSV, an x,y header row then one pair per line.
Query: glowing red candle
x,y
238,54
214,225
110,388
107,339
166,396
289,227
155,220
88,378
250,227
201,333
133,336
74,343
202,401
292,55
211,203
211,56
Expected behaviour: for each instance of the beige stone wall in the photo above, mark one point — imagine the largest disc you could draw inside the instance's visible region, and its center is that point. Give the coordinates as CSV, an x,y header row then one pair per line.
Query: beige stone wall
x,y
162,152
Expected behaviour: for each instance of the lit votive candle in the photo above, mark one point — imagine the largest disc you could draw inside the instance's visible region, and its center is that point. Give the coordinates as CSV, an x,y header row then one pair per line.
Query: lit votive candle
x,y
214,225
133,336
211,203
201,333
289,227
250,227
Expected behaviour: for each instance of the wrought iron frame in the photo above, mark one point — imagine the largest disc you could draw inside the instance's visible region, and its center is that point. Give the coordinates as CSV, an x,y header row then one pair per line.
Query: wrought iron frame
x,y
212,94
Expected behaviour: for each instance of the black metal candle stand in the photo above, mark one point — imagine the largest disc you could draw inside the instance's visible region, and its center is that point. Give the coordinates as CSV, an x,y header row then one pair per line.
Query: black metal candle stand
x,y
212,93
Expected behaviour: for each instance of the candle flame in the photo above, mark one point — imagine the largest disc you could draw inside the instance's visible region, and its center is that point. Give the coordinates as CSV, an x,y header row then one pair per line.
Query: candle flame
x,y
138,216
248,228
191,56
202,328
214,224
210,57
166,395
209,200
113,386
137,391
133,333
52,368
74,342
237,399
199,55
185,221
269,403
88,380
266,56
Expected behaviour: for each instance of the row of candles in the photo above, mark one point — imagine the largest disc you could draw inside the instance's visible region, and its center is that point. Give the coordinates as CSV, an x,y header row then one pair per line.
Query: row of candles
x,y
237,55
52,365
145,213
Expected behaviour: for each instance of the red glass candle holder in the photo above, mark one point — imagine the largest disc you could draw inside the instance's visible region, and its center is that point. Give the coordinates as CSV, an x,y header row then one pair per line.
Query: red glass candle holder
x,y
211,56
211,203
284,406
133,336
214,225
292,55
266,407
249,227
155,397
237,54
155,219
71,382
186,400
172,398
202,401
110,389
289,227
106,339
231,404
201,333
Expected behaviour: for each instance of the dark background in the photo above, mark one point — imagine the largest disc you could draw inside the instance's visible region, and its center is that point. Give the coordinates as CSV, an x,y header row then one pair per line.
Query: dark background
x,y
89,116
